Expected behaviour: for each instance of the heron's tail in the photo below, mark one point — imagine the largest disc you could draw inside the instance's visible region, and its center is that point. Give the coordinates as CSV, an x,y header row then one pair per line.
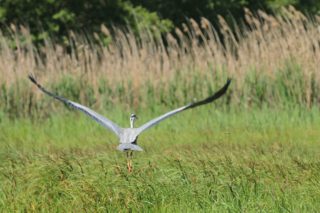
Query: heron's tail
x,y
129,146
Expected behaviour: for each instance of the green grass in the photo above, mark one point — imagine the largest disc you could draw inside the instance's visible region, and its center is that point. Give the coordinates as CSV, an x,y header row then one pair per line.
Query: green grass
x,y
203,159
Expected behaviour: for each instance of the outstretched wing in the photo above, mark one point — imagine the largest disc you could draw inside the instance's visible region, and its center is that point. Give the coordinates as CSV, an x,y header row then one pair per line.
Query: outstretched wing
x,y
210,99
99,118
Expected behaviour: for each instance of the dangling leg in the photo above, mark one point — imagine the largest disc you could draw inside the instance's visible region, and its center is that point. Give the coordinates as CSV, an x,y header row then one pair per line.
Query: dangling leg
x,y
130,161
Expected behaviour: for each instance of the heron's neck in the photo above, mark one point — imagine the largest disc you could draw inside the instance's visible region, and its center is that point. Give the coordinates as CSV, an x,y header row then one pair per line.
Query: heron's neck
x,y
131,123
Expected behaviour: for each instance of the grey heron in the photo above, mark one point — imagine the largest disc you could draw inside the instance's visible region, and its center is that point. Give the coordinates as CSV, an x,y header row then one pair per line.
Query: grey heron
x,y
128,136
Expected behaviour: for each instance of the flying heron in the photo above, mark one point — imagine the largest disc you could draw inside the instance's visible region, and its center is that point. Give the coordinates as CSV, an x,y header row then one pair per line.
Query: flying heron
x,y
128,136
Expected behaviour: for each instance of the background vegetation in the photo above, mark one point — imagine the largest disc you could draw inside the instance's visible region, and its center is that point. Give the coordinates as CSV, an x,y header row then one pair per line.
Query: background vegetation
x,y
255,149
56,18
273,62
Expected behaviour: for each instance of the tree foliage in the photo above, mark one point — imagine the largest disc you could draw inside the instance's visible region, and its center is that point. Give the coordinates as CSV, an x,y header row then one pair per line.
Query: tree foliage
x,y
57,17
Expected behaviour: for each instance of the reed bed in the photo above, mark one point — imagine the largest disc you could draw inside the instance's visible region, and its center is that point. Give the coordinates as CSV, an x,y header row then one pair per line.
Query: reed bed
x,y
273,61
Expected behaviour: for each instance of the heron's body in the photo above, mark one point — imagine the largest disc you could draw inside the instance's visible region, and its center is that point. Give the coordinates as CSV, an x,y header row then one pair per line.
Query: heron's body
x,y
128,140
128,136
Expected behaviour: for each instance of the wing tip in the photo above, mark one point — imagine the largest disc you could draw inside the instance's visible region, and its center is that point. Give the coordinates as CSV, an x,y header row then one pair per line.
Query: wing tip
x,y
225,87
228,81
32,79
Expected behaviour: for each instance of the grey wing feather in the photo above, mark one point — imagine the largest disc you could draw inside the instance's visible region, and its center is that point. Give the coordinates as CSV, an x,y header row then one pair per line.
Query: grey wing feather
x,y
210,99
99,118
158,119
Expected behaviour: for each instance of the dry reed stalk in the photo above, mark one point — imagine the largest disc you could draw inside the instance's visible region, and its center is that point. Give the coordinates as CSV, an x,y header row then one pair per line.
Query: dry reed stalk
x,y
129,63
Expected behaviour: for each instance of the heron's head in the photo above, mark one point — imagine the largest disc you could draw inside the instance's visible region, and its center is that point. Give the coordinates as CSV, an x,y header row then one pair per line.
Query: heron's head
x,y
133,117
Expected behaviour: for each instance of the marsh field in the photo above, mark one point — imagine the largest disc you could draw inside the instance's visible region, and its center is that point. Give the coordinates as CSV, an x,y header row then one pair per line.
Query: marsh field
x,y
256,149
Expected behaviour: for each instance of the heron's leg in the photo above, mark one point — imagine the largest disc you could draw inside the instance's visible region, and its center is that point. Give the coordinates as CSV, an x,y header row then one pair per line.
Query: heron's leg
x,y
130,153
128,161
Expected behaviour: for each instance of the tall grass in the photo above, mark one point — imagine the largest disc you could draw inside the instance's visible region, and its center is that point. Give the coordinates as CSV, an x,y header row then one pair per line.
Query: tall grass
x,y
257,161
273,61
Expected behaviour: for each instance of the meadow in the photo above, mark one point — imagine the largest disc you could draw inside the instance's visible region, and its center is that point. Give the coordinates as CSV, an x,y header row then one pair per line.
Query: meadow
x,y
255,149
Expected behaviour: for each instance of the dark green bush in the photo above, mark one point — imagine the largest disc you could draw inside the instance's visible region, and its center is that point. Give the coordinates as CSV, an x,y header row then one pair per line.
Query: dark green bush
x,y
57,17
